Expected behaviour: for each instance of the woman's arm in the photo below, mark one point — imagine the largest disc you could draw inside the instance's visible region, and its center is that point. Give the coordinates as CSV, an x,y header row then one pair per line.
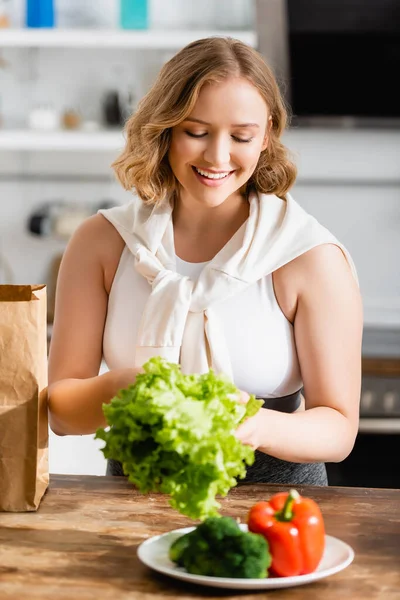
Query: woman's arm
x,y
328,327
76,404
76,390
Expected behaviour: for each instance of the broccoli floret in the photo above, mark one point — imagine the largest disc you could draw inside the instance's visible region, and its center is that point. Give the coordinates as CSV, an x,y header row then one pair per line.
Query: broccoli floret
x,y
178,547
219,548
216,529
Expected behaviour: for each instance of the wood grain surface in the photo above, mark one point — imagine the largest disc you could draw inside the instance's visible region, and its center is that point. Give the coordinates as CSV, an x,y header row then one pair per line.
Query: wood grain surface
x,y
81,544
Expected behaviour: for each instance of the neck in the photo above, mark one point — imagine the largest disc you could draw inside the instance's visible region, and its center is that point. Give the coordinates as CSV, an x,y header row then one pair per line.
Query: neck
x,y
195,217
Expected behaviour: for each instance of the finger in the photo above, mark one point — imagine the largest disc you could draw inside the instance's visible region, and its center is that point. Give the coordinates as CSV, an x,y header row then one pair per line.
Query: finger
x,y
243,431
244,397
244,437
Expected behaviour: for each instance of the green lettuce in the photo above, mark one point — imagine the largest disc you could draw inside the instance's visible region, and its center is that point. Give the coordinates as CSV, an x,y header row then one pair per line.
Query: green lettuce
x,y
174,434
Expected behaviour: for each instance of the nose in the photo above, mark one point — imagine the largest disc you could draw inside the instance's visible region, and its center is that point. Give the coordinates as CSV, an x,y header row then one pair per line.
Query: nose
x,y
217,151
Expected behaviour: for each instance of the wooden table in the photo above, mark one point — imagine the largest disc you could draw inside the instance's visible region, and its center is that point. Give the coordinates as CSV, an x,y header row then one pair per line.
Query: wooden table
x,y
81,543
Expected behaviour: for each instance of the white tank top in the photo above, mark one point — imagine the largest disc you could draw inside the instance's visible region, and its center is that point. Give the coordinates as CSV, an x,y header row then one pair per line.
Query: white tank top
x,y
259,337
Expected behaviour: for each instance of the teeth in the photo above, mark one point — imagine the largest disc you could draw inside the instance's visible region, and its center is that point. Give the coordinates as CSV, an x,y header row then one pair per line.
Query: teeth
x,y
212,175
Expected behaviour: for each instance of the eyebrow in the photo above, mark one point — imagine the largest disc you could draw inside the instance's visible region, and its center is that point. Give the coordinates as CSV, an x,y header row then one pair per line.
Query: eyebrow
x,y
234,125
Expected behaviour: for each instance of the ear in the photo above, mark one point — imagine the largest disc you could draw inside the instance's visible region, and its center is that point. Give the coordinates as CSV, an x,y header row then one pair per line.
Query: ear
x,y
266,136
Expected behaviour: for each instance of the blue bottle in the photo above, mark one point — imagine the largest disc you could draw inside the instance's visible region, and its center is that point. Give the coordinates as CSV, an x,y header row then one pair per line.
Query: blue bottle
x,y
133,14
39,13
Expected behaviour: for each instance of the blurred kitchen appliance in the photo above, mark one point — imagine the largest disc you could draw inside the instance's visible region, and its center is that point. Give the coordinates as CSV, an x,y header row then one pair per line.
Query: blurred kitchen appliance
x,y
60,218
337,60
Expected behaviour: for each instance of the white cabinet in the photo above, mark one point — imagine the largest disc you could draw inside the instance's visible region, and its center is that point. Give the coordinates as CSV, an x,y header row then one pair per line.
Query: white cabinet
x,y
76,455
70,68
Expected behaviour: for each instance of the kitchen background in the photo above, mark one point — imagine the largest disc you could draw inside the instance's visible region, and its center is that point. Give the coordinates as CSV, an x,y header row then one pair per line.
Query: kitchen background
x,y
65,90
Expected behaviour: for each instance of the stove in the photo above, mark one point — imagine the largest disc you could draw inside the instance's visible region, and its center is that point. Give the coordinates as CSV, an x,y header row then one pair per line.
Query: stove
x,y
380,404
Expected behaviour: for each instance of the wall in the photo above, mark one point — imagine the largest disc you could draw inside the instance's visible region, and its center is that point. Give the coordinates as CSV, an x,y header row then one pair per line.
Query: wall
x,y
349,180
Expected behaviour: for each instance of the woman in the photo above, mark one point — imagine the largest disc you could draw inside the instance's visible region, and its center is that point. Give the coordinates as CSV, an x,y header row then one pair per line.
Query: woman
x,y
213,264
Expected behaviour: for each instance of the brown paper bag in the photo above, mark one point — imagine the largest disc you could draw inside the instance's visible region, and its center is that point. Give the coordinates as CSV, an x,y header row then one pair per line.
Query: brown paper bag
x,y
24,471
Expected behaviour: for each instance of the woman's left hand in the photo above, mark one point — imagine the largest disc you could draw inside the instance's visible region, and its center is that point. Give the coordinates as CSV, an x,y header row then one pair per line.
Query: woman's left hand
x,y
252,430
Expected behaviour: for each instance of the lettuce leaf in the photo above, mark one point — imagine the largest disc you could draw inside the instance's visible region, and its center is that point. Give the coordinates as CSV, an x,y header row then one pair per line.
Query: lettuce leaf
x,y
174,434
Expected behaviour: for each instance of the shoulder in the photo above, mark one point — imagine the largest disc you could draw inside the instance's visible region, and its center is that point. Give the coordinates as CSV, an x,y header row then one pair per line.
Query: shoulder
x,y
318,263
319,272
96,242
97,235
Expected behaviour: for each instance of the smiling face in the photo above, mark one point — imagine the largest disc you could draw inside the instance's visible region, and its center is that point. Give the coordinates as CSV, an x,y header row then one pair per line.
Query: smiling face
x,y
214,152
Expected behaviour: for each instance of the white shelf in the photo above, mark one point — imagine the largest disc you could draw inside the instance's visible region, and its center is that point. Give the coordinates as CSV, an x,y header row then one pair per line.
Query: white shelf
x,y
92,38
61,140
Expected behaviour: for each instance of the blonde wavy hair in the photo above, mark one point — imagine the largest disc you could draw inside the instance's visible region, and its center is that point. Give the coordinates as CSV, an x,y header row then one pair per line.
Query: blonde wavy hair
x,y
143,165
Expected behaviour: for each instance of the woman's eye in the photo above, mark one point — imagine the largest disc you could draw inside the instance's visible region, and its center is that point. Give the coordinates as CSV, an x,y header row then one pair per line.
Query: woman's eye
x,y
234,137
195,135
241,140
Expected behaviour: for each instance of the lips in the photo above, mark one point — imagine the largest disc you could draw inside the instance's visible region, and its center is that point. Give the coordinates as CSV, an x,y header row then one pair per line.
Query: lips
x,y
211,182
206,172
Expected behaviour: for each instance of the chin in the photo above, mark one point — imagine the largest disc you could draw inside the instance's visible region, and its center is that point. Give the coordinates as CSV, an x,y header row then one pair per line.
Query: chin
x,y
215,199
212,196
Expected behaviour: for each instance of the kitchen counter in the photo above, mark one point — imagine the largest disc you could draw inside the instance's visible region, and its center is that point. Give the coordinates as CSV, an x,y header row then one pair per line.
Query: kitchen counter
x,y
82,543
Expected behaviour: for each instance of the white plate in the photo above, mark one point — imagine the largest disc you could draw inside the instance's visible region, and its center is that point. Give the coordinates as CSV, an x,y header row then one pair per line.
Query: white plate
x,y
154,554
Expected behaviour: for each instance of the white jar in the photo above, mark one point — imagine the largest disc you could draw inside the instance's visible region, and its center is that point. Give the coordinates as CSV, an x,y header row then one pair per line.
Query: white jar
x,y
44,118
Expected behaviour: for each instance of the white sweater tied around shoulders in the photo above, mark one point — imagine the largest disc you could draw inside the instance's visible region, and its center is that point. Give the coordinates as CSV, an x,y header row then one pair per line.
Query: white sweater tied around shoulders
x,y
178,322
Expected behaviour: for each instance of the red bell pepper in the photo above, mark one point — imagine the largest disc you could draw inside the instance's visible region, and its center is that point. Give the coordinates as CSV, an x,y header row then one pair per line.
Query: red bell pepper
x,y
294,529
